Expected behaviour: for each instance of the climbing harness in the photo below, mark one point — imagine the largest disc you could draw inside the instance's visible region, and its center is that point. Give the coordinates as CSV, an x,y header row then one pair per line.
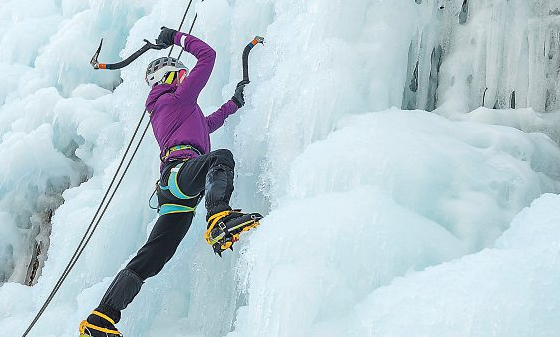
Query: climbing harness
x,y
173,188
173,185
176,148
175,208
168,208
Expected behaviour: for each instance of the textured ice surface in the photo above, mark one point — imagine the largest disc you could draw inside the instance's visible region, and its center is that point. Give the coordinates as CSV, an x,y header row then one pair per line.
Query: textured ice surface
x,y
380,221
499,54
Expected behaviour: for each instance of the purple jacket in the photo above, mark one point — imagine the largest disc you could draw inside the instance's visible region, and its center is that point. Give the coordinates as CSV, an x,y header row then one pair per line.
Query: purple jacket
x,y
174,113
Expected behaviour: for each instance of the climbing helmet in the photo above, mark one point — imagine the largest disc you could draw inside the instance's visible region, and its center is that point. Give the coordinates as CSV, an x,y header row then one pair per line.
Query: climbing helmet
x,y
159,68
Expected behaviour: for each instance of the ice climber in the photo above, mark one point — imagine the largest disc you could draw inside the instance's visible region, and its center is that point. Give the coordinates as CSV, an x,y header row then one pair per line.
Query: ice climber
x,y
189,171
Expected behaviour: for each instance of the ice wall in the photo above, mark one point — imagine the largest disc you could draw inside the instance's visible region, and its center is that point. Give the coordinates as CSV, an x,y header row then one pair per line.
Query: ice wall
x,y
373,213
505,291
360,226
497,54
56,127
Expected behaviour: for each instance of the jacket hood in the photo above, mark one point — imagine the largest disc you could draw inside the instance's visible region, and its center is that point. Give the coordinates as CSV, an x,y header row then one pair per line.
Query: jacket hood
x,y
156,93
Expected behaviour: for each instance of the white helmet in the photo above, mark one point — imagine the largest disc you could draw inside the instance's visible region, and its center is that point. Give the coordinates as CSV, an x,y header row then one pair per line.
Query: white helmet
x,y
157,69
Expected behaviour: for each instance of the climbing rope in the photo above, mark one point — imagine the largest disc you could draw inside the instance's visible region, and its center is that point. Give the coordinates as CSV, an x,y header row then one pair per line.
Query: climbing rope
x,y
181,25
103,206
190,30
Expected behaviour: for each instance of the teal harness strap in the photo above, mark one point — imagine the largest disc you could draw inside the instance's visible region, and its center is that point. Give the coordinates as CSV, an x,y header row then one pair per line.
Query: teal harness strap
x,y
174,208
173,185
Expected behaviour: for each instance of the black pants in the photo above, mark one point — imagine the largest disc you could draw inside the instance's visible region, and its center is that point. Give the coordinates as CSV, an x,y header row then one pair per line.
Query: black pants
x,y
210,175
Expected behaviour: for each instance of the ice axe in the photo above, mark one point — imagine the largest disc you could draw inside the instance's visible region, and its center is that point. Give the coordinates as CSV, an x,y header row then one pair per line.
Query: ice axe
x,y
245,57
114,66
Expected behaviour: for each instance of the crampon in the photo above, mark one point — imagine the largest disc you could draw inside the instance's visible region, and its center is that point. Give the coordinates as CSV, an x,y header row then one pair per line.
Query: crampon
x,y
224,228
104,327
87,330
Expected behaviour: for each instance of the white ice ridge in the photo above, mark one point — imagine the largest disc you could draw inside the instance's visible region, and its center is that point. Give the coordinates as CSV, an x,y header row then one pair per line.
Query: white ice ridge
x,y
380,222
420,191
508,290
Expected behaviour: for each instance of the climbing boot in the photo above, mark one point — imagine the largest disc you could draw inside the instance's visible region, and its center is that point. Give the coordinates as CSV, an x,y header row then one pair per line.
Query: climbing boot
x,y
98,325
224,228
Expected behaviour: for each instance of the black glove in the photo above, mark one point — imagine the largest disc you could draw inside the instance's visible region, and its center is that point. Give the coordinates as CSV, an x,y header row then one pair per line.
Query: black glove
x,y
166,37
238,97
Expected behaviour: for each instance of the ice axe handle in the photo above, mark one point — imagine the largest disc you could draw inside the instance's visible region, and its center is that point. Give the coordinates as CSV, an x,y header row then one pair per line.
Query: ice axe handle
x,y
114,66
245,57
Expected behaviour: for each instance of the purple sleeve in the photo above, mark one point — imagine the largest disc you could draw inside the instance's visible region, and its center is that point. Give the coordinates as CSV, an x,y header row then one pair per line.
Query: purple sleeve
x,y
188,91
217,118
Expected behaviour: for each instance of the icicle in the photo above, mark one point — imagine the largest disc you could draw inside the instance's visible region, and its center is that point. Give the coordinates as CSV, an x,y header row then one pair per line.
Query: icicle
x,y
414,80
411,90
463,15
549,101
436,58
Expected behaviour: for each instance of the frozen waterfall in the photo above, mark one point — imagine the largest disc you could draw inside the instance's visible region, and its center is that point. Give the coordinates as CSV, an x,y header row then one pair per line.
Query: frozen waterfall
x,y
405,153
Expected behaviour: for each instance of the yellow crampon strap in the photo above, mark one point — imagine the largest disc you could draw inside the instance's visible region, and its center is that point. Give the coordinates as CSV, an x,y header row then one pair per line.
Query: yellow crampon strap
x,y
213,220
105,317
85,325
